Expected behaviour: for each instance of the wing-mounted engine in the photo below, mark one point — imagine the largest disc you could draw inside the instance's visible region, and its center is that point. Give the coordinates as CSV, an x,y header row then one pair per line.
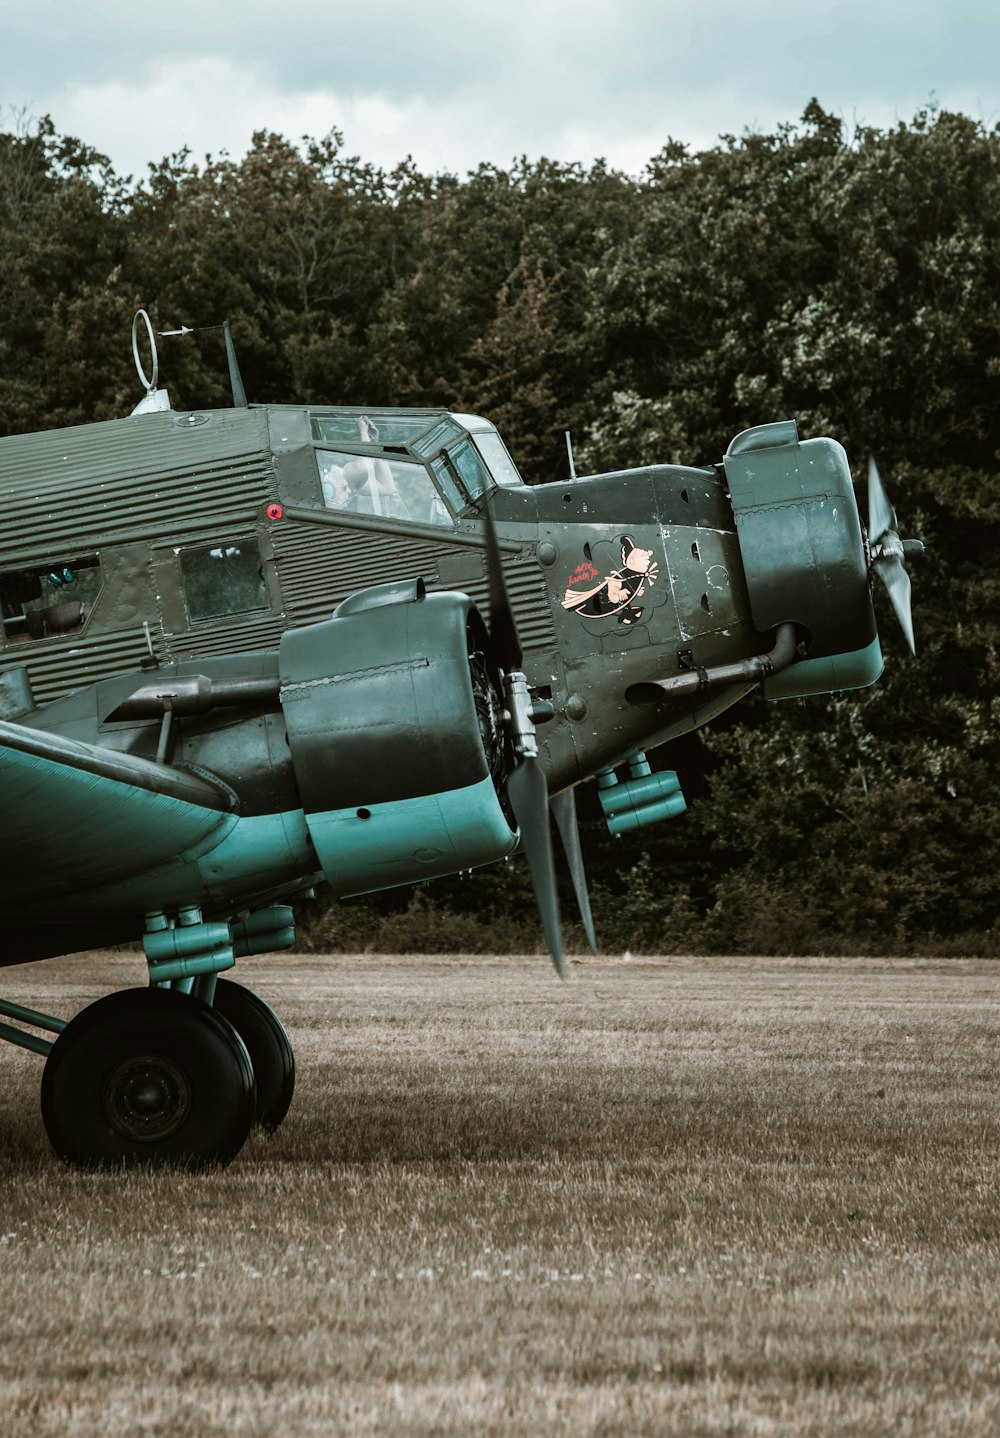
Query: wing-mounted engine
x,y
396,738
804,555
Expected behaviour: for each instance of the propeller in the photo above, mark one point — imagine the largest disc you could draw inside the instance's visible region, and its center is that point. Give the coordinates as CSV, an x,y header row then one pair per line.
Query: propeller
x,y
888,551
527,788
563,806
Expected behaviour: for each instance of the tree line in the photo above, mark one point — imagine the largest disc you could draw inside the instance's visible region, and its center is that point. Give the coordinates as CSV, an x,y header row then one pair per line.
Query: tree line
x,y
848,280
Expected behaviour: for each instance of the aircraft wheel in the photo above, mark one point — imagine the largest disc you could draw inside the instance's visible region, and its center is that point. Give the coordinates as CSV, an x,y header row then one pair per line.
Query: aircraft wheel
x,y
268,1046
148,1077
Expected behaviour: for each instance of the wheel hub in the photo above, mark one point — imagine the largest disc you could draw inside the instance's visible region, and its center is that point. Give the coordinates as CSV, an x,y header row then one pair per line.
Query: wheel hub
x,y
146,1098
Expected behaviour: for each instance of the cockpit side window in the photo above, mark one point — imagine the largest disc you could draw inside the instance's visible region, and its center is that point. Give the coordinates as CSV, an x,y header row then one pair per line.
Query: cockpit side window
x,y
395,488
448,483
48,600
473,475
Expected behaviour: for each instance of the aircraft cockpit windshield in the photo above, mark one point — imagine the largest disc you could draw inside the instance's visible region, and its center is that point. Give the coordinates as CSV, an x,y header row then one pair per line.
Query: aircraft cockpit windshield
x,y
423,467
492,450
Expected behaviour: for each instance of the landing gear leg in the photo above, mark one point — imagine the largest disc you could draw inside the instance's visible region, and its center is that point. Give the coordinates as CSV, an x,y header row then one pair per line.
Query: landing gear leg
x,y
148,1077
267,1044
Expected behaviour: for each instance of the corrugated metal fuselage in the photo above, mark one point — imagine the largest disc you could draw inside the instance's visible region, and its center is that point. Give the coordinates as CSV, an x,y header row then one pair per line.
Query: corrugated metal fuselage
x,y
140,493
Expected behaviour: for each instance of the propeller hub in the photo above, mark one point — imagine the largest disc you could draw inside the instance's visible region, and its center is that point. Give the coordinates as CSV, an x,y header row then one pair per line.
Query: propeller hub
x,y
889,547
518,714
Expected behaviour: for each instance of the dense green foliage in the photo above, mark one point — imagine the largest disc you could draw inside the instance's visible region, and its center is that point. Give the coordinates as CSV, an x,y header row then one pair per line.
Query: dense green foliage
x,y
852,282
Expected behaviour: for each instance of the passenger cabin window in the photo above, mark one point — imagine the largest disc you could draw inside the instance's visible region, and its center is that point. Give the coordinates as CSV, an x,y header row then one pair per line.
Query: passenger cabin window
x,y
225,578
395,488
48,600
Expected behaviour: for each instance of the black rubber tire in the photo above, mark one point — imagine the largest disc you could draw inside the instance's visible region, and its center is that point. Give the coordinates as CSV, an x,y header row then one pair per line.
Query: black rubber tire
x,y
148,1078
268,1046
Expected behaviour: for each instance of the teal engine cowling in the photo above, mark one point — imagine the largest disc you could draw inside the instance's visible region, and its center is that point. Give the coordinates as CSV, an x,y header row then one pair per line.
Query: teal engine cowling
x,y
395,732
804,556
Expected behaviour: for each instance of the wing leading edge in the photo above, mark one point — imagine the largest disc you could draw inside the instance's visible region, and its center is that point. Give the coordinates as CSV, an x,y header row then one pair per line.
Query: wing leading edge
x,y
76,815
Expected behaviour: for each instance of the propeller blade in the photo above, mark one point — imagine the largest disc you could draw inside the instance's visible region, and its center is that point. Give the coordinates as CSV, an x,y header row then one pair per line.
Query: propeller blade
x,y
503,630
528,793
881,515
893,575
888,552
563,806
527,788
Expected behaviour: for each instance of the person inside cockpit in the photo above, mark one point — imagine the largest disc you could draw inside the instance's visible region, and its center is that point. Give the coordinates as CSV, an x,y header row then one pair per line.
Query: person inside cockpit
x,y
371,488
336,494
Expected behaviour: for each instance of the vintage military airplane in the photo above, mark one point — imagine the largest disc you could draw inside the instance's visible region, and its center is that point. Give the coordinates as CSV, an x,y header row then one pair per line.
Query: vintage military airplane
x,y
246,649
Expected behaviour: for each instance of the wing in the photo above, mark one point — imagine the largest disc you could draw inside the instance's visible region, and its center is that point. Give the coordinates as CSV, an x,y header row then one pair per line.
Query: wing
x,y
75,815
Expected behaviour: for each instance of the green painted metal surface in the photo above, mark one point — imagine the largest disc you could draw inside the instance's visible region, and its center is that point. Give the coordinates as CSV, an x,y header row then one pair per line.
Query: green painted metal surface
x,y
188,950
642,799
37,1045
102,830
191,966
259,849
800,537
832,675
133,491
10,1034
264,931
32,1016
387,844
127,479
377,766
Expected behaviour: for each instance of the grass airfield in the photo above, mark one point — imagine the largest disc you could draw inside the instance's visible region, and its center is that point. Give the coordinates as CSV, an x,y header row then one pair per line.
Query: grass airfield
x,y
672,1196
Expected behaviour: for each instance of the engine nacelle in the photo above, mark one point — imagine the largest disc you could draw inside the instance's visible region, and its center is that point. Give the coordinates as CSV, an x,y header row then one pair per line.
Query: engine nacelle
x,y
394,733
804,555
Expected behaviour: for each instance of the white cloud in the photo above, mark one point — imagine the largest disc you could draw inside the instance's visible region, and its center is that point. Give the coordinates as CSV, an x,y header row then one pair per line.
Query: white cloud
x,y
455,84
207,105
211,105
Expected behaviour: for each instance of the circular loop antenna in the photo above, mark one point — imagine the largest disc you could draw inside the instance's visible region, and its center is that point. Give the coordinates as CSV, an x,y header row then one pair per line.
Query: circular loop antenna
x,y
149,383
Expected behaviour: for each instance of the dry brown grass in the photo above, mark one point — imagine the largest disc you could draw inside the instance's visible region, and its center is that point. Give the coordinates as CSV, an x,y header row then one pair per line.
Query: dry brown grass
x,y
670,1197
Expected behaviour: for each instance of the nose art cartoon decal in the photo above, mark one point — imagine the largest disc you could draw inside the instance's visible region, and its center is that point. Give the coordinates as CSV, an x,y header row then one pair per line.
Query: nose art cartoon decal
x,y
613,596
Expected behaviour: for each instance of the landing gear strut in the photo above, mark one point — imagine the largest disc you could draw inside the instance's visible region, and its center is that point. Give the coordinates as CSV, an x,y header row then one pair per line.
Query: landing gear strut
x,y
176,1074
148,1077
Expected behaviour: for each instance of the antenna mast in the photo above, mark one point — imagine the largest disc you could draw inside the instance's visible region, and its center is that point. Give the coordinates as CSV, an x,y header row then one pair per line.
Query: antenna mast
x,y
569,451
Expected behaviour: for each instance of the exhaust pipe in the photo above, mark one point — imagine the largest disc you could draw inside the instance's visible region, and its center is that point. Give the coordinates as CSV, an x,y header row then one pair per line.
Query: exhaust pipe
x,y
702,681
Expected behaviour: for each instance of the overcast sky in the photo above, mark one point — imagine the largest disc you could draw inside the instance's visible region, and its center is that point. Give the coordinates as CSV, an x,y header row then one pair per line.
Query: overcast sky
x,y
453,83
